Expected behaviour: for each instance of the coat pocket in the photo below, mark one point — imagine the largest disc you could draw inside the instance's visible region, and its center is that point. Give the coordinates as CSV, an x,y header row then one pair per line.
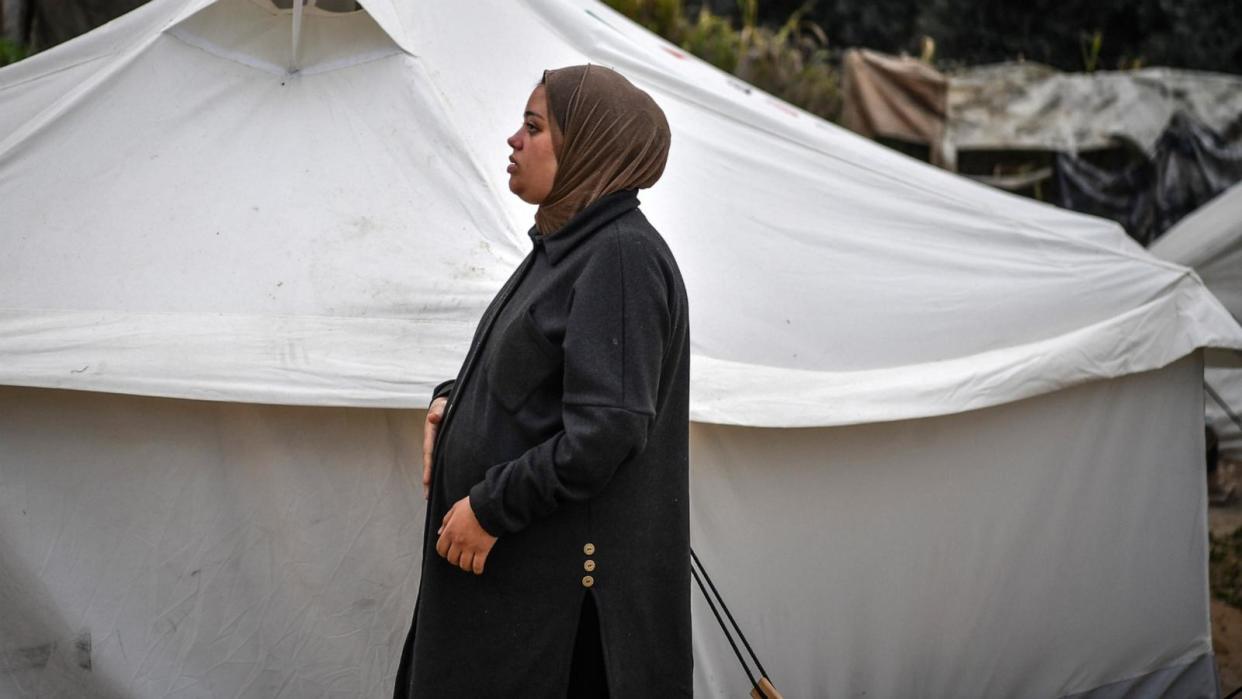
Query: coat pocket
x,y
523,359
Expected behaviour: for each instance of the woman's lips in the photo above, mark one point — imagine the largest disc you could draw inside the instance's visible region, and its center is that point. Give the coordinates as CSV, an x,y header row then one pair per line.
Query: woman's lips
x,y
512,168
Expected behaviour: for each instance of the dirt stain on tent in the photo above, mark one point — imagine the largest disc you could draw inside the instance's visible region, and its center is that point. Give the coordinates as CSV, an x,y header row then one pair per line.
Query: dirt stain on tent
x,y
35,657
38,656
361,227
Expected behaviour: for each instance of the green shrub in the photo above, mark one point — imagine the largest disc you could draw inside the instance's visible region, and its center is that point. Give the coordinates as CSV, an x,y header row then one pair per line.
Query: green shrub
x,y
712,38
664,17
791,61
11,52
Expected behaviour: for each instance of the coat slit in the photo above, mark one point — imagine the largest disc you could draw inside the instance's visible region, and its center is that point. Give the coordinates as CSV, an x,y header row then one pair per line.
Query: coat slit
x,y
588,671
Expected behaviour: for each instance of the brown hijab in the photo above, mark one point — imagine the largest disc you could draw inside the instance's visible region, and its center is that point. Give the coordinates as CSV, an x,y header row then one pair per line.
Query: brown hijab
x,y
607,136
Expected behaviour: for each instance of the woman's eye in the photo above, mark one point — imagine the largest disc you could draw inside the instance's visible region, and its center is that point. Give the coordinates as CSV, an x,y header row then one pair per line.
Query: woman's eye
x,y
531,127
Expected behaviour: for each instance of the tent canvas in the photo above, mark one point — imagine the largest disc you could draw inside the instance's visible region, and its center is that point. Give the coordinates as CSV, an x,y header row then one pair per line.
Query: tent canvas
x,y
249,274
1210,241
208,548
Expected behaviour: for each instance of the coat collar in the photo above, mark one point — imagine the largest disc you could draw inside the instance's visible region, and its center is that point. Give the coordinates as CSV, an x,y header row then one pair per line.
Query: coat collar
x,y
584,223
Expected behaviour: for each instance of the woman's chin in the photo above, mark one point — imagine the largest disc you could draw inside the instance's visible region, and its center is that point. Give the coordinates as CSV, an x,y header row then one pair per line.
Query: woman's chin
x,y
516,188
522,194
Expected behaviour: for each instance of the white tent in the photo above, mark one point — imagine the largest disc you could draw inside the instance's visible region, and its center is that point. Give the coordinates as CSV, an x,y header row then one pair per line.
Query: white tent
x,y
241,244
1210,241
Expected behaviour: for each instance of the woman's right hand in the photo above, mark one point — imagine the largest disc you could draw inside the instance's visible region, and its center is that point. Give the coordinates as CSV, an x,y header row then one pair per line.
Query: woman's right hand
x,y
435,414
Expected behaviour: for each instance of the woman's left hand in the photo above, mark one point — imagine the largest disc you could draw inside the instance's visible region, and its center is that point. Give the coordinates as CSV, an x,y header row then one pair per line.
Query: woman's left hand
x,y
463,541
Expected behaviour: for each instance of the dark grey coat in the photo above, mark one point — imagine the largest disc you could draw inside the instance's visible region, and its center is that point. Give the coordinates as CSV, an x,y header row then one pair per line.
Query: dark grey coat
x,y
568,429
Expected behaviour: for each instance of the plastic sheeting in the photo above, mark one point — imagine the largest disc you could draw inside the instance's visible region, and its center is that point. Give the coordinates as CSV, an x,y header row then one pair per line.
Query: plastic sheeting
x,y
195,220
1032,106
1191,164
1227,383
1210,240
1049,547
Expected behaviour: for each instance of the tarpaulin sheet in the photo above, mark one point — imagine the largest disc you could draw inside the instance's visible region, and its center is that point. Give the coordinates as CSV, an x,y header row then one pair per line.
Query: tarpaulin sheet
x,y
1032,106
894,96
1191,164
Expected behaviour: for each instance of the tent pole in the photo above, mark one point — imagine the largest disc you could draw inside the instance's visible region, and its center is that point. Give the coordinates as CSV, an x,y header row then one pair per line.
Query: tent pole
x,y
297,35
1223,406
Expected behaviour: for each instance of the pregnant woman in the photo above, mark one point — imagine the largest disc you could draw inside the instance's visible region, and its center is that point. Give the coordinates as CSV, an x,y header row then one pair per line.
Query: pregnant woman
x,y
555,558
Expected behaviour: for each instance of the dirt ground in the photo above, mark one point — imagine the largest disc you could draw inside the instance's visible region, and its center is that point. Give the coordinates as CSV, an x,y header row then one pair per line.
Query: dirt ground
x,y
1227,642
1224,519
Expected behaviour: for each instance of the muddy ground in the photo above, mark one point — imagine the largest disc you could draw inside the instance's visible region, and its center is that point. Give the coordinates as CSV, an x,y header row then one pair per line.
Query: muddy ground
x,y
1225,522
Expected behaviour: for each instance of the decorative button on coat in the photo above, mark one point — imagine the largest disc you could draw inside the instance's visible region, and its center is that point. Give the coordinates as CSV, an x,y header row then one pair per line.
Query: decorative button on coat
x,y
589,549
588,566
587,581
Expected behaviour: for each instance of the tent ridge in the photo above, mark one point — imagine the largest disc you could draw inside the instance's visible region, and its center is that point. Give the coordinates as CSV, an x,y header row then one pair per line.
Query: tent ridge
x,y
58,69
218,51
766,123
53,112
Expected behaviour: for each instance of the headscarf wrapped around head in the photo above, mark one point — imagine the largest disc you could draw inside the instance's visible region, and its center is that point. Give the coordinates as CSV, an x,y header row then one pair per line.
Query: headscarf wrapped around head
x,y
607,136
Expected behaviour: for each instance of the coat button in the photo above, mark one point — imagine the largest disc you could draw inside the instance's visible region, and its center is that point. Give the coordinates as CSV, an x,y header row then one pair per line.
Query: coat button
x,y
588,549
588,566
587,581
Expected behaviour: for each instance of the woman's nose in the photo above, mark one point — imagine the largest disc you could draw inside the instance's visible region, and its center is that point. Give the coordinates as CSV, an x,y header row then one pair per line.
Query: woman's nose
x,y
513,141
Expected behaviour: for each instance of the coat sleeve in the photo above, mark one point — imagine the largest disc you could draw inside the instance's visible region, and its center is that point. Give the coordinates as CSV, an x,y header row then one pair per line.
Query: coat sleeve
x,y
616,338
442,390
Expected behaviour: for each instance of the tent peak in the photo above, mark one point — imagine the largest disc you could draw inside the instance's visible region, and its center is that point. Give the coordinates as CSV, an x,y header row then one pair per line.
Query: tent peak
x,y
306,37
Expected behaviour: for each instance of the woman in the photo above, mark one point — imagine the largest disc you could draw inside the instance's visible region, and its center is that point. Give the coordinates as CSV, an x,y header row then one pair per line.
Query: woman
x,y
558,483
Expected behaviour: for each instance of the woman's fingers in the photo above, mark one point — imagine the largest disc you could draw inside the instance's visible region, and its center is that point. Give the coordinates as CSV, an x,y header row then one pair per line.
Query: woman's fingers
x,y
462,546
429,441
435,415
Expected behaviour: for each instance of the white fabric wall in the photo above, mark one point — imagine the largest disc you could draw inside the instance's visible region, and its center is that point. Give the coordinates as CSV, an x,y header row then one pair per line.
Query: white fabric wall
x,y
1037,549
218,549
209,549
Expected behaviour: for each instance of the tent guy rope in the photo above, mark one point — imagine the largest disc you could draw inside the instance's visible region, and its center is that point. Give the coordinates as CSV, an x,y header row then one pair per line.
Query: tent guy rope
x,y
761,688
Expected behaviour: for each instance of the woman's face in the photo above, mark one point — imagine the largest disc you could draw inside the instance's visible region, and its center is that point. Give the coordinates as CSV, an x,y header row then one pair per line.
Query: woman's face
x,y
532,165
